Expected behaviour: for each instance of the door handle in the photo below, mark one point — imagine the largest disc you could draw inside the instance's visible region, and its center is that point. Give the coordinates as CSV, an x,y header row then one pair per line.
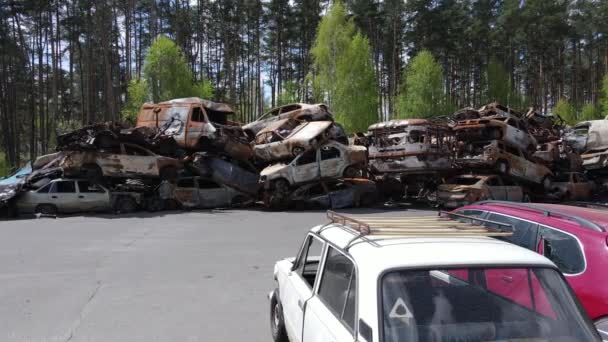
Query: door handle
x,y
507,279
53,196
301,304
80,196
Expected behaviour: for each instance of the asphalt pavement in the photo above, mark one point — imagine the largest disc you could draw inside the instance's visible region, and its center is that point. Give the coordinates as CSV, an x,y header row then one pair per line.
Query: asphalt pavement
x,y
177,276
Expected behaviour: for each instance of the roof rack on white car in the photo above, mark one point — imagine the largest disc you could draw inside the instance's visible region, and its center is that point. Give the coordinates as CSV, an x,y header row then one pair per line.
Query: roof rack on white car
x,y
442,225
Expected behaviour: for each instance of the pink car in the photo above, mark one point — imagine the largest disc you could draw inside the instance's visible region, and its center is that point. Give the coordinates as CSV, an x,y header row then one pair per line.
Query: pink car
x,y
574,238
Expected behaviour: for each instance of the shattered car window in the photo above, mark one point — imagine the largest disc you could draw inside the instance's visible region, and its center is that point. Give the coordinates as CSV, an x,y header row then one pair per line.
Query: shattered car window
x,y
84,186
64,187
415,137
307,158
329,153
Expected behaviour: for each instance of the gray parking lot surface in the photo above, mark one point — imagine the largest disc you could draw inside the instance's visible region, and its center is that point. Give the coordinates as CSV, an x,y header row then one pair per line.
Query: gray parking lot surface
x,y
191,276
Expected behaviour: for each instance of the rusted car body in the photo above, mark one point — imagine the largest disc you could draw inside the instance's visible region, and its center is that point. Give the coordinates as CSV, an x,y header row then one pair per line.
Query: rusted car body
x,y
190,121
556,155
544,128
505,159
466,189
282,139
497,109
596,159
298,111
123,161
509,129
198,192
572,186
409,146
336,194
332,160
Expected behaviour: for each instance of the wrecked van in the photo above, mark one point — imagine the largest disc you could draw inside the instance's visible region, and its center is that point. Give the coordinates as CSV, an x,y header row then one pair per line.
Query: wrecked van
x,y
298,111
506,159
288,138
509,129
409,146
190,121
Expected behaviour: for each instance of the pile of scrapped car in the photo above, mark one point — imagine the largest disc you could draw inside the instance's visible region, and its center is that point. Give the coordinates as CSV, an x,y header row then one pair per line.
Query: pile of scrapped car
x,y
189,153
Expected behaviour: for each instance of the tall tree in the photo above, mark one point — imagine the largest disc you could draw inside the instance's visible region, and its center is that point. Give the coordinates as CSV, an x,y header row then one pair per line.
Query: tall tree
x,y
356,97
422,93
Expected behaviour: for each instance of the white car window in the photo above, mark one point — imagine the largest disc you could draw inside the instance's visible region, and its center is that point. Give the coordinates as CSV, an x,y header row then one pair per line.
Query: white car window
x,y
338,287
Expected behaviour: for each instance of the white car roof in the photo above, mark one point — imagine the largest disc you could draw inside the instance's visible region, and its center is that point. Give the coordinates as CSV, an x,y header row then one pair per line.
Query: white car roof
x,y
377,253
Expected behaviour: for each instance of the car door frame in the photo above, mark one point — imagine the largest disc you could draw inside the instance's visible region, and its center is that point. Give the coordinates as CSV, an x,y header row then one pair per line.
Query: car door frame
x,y
295,291
339,161
93,203
55,198
317,301
295,173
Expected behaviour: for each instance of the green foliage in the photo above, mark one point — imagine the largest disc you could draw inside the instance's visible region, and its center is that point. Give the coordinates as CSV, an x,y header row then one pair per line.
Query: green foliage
x,y
333,38
356,99
203,89
289,94
166,71
565,110
137,95
604,97
422,94
589,112
498,82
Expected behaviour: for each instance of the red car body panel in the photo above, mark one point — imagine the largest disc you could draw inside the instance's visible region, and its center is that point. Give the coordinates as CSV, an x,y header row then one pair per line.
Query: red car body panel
x,y
591,285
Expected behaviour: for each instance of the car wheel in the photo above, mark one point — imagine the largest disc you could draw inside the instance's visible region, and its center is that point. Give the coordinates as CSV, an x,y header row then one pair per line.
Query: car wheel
x,y
502,166
352,172
168,173
277,325
46,209
126,205
281,185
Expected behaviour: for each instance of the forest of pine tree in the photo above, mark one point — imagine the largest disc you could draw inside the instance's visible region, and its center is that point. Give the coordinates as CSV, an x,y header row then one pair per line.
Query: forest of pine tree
x,y
68,63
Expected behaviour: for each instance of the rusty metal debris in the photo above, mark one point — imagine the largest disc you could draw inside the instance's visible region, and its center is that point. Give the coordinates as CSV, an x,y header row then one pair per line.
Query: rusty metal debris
x,y
188,153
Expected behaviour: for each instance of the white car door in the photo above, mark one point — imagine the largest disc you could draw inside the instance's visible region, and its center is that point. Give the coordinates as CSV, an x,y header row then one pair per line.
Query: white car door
x,y
295,287
331,161
330,314
64,196
92,196
305,168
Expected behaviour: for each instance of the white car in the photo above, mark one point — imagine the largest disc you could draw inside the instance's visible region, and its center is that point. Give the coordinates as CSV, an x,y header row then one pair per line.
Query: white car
x,y
420,279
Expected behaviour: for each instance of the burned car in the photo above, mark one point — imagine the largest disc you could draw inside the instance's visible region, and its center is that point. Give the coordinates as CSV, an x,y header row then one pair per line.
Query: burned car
x,y
509,129
409,146
335,194
76,195
572,186
557,155
122,161
466,189
298,111
288,138
332,160
192,122
506,159
199,192
587,135
596,159
237,175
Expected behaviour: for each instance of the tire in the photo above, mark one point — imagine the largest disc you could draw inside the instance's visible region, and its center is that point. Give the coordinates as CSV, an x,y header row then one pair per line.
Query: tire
x,y
277,324
502,166
352,172
91,172
46,209
126,205
168,173
281,185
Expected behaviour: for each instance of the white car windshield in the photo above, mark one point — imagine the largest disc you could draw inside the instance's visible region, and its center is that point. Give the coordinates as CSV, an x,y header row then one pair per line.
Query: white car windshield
x,y
481,304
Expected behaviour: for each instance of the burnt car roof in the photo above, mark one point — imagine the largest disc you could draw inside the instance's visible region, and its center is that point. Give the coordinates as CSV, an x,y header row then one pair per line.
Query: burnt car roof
x,y
215,106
